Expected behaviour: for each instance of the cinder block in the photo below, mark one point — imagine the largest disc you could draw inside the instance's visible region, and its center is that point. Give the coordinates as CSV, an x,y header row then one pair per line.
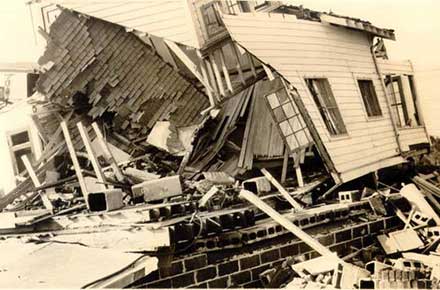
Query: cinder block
x,y
196,263
249,262
105,200
241,278
219,283
206,274
227,268
184,280
158,189
270,256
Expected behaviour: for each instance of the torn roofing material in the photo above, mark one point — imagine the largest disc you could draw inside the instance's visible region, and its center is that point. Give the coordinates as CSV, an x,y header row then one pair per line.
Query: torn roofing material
x,y
119,73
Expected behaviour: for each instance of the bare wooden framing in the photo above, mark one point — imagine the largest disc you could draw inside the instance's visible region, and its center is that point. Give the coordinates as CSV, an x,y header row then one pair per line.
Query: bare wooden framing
x,y
237,60
107,153
74,158
225,71
217,74
46,202
90,152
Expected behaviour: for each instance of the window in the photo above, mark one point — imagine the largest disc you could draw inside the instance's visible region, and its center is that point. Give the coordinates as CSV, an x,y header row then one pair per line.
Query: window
x,y
326,103
403,100
19,145
369,98
287,117
212,20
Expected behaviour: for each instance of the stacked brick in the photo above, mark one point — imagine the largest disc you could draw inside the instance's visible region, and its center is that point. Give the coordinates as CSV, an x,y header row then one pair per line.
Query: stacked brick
x,y
242,269
117,72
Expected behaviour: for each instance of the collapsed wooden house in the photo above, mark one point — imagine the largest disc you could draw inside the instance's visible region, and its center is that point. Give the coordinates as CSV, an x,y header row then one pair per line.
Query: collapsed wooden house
x,y
361,109
221,86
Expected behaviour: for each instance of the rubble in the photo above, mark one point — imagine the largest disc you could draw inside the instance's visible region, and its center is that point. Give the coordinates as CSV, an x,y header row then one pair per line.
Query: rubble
x,y
161,173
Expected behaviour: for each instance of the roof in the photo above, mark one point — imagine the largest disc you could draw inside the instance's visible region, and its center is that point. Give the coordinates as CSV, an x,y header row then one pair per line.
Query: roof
x,y
339,20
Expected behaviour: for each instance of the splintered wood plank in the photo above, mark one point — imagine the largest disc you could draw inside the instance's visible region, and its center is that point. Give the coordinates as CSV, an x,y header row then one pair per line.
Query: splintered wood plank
x,y
74,158
90,152
46,202
225,71
107,153
303,236
281,189
218,77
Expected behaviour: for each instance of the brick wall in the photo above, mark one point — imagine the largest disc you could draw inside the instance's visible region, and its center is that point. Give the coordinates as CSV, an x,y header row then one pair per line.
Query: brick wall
x,y
220,270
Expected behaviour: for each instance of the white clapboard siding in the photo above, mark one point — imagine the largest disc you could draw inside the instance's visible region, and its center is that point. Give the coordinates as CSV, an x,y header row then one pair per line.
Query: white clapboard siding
x,y
410,136
301,49
167,19
395,67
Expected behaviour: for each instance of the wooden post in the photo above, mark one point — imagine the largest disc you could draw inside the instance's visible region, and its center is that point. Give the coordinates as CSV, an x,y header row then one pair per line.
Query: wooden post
x,y
46,202
225,71
209,90
281,189
108,155
237,60
75,161
251,63
91,154
285,163
297,166
218,77
303,236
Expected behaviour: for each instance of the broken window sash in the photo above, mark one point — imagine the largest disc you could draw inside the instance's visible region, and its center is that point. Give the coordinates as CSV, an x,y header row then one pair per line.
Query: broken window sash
x,y
327,106
369,98
20,145
287,117
213,22
403,100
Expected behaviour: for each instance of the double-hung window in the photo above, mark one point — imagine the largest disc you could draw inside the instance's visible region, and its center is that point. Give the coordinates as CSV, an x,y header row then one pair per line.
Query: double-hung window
x,y
325,101
369,98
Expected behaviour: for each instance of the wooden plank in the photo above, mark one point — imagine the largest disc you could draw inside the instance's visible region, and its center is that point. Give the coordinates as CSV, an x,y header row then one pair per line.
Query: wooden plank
x,y
91,154
218,77
285,163
206,79
237,60
74,158
46,202
225,71
107,153
281,189
303,236
192,67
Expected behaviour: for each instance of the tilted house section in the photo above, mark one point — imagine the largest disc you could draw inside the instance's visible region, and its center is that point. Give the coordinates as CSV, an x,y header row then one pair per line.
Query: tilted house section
x,y
333,70
118,73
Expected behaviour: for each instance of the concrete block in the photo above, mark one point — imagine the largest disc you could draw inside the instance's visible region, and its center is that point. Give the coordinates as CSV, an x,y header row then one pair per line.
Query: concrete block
x,y
158,189
105,200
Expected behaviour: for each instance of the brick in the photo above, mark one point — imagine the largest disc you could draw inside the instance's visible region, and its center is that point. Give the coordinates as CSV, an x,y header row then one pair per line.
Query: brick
x,y
254,285
166,283
269,256
343,236
289,250
199,286
196,263
366,241
206,274
257,271
327,240
376,226
241,278
219,283
176,268
304,248
360,231
227,268
249,262
184,280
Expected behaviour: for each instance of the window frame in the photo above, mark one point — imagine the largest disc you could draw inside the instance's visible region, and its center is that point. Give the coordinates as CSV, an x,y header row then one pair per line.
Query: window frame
x,y
369,117
14,148
319,107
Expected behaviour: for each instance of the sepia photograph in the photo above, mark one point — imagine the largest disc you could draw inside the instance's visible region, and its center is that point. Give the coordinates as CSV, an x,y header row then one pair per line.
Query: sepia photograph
x,y
219,144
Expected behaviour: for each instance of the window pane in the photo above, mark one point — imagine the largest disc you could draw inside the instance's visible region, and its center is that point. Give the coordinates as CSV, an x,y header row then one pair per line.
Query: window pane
x,y
20,138
285,128
369,98
289,110
326,103
279,114
273,101
282,96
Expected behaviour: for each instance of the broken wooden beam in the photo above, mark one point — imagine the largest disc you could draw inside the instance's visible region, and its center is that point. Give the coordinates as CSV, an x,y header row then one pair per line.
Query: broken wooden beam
x,y
281,189
303,236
